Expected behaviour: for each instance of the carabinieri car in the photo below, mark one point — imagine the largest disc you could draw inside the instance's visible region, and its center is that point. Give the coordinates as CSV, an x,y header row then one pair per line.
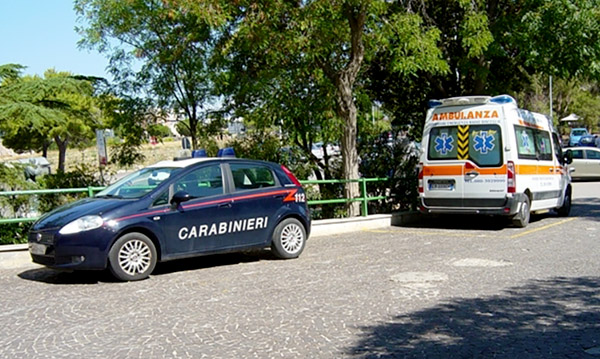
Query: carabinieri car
x,y
176,209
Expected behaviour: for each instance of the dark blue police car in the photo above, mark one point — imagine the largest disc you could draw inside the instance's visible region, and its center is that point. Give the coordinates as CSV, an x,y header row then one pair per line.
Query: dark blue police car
x,y
176,209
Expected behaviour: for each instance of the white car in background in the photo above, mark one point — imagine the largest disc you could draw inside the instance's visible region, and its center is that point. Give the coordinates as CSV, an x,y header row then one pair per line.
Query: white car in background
x,y
586,163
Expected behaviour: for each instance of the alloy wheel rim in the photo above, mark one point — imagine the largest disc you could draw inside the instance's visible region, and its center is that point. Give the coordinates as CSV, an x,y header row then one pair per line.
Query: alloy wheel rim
x,y
292,238
135,257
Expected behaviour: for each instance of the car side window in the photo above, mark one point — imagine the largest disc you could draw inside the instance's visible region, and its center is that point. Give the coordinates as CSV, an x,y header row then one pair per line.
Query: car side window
x,y
577,153
162,199
202,182
594,155
251,176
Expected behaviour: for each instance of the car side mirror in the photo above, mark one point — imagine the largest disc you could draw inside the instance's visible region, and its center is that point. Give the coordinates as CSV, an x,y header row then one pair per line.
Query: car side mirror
x,y
568,157
179,197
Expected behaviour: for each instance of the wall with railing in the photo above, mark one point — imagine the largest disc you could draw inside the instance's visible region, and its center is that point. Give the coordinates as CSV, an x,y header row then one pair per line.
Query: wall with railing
x,y
364,198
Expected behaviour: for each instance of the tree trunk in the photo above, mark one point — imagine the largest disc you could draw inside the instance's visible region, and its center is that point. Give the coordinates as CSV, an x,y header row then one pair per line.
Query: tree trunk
x,y
62,152
347,111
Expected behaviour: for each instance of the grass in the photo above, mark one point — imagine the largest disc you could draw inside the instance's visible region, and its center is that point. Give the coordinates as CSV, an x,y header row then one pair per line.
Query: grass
x,y
89,157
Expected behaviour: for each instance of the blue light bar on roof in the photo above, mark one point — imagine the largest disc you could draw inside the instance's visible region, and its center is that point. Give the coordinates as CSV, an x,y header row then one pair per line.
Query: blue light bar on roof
x,y
503,99
434,103
199,153
226,152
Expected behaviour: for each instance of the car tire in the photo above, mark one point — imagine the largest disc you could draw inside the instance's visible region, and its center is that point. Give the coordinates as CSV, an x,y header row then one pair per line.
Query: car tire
x,y
565,209
289,239
132,257
521,219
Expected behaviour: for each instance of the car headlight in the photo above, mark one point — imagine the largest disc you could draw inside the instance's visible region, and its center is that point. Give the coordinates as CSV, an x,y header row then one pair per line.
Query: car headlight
x,y
82,224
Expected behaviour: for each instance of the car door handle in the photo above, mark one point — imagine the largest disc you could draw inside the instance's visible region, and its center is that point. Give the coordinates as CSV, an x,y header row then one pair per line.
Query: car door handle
x,y
225,205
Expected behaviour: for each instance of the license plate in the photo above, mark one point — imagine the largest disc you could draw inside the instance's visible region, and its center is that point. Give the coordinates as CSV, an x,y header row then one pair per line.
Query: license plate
x,y
441,185
36,248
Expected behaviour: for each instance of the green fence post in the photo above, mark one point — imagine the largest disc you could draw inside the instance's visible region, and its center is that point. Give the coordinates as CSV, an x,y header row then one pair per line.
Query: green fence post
x,y
365,201
90,191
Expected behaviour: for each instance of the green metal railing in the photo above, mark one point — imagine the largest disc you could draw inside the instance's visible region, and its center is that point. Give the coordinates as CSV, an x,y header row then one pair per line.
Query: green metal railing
x,y
364,198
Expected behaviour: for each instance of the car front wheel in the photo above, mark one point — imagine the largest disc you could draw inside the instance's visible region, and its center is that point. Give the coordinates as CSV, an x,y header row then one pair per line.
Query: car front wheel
x,y
288,239
132,257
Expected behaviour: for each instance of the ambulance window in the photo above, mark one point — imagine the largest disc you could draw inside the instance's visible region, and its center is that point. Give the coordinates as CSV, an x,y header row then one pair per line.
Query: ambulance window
x,y
557,148
443,143
251,176
525,142
485,145
543,144
202,182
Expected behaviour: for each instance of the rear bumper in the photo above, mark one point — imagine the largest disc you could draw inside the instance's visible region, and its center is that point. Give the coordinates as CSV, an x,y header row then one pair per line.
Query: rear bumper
x,y
506,206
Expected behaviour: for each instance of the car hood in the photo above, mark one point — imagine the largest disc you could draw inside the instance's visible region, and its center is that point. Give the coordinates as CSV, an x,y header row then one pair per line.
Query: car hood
x,y
70,212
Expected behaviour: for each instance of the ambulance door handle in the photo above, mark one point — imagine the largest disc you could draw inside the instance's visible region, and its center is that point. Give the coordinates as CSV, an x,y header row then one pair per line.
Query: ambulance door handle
x,y
471,175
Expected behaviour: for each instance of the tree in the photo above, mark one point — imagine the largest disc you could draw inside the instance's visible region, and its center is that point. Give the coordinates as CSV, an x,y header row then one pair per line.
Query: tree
x,y
58,107
495,47
326,43
170,46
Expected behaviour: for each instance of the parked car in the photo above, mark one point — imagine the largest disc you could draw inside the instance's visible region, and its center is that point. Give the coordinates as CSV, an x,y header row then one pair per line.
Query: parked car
x,y
587,141
586,163
176,209
576,134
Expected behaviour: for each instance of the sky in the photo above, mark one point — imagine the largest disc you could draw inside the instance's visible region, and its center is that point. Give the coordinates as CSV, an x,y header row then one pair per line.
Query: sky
x,y
40,34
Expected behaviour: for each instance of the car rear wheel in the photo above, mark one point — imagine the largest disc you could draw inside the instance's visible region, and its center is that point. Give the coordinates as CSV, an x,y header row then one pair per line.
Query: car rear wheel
x,y
521,219
288,239
132,257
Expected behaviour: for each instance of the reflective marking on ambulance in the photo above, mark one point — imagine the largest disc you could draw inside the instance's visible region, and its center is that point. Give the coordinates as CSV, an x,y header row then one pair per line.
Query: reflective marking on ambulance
x,y
217,229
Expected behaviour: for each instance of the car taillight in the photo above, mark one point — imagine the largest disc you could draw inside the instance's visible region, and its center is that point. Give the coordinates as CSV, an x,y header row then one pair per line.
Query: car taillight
x,y
421,178
291,176
511,179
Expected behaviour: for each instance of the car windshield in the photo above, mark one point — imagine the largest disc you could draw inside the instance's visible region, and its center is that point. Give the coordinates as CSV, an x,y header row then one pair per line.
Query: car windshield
x,y
579,132
138,183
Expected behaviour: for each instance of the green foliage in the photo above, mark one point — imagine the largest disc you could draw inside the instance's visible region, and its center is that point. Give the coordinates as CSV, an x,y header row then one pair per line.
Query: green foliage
x,y
81,177
14,233
171,45
397,160
12,178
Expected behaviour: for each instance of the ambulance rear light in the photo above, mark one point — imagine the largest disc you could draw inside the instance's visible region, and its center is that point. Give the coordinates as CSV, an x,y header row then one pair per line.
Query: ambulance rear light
x,y
291,176
421,178
503,99
511,179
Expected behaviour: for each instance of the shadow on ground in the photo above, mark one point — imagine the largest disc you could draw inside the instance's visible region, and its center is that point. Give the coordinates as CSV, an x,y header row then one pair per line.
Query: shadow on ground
x,y
557,318
52,276
588,208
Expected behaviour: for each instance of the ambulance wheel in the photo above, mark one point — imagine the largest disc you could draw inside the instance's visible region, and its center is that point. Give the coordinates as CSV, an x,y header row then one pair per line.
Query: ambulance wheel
x,y
132,257
289,238
521,219
565,209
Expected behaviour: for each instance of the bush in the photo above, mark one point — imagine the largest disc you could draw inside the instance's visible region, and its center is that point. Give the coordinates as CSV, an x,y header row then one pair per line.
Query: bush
x,y
81,177
397,160
14,233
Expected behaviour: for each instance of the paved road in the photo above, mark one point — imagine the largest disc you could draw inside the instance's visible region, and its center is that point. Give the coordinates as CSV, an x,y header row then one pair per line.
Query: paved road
x,y
463,287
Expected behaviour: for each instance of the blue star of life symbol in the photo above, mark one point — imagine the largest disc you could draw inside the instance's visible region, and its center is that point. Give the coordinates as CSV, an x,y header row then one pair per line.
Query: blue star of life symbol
x,y
443,144
484,142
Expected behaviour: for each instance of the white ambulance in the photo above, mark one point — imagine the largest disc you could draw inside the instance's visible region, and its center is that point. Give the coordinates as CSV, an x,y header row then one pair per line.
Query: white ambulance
x,y
484,155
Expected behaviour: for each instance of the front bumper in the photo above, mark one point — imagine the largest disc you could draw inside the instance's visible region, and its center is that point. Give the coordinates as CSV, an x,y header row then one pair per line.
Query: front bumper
x,y
506,206
85,250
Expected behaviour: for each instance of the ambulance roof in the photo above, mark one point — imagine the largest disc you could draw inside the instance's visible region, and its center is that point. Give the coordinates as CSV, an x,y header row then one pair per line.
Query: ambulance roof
x,y
472,100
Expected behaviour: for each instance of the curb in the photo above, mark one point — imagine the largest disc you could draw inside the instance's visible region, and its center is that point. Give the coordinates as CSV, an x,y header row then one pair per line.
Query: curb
x,y
14,256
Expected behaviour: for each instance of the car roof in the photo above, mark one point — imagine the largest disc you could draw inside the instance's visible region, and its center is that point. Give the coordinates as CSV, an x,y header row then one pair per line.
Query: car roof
x,y
183,163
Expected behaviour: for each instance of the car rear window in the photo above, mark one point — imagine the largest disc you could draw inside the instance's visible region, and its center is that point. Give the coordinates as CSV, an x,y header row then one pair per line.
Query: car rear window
x,y
481,144
251,176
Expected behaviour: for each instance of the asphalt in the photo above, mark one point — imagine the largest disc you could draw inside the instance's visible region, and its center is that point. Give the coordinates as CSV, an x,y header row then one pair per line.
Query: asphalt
x,y
16,256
